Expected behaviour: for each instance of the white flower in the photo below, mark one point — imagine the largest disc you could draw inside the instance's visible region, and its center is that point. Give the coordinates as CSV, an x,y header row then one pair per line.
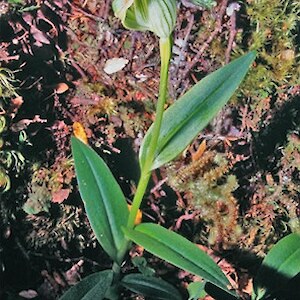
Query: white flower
x,y
158,16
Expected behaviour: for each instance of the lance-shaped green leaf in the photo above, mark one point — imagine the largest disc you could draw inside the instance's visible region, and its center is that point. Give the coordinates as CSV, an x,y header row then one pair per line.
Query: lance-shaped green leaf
x,y
184,119
91,287
178,251
103,199
281,264
158,16
155,288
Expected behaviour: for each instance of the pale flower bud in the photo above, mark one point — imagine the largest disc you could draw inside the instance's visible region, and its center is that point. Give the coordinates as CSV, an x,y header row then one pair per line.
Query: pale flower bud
x,y
158,16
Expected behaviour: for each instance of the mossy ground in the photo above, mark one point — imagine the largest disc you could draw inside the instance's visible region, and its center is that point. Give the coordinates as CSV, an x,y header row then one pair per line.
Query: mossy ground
x,y
235,191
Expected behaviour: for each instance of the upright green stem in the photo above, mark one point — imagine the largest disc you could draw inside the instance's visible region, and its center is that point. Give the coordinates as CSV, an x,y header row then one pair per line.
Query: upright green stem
x,y
165,54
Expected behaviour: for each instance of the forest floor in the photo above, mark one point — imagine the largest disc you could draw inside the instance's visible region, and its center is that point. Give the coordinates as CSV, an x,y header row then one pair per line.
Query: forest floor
x,y
69,67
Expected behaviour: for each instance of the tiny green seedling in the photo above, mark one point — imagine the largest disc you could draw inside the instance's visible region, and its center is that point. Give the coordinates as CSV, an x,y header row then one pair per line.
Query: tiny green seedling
x,y
105,204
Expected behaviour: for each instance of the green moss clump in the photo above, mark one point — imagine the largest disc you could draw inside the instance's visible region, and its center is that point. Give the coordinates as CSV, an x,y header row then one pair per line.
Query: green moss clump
x,y
272,32
208,187
270,27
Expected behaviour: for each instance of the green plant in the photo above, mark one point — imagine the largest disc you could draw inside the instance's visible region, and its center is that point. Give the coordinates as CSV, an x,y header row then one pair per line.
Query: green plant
x,y
11,160
21,6
7,78
208,190
279,267
204,3
171,132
